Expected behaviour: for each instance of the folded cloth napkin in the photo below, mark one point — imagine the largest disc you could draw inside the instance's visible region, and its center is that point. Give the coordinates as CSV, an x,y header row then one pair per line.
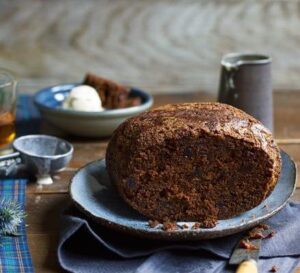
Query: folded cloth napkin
x,y
14,251
87,247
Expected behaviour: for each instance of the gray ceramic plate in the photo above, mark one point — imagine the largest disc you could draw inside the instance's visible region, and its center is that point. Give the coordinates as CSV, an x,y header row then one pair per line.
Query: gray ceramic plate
x,y
93,193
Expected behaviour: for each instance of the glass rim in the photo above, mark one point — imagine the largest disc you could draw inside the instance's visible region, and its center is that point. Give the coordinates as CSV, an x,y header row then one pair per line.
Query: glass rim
x,y
9,81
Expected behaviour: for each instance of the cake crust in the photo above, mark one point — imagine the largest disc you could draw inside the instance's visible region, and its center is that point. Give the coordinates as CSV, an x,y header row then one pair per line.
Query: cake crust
x,y
193,162
112,94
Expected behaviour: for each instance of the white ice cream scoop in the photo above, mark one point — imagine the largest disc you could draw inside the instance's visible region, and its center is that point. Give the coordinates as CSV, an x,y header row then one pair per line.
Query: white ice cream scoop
x,y
83,98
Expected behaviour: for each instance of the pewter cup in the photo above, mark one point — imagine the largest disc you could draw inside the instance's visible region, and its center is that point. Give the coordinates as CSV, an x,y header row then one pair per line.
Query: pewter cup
x,y
246,83
41,154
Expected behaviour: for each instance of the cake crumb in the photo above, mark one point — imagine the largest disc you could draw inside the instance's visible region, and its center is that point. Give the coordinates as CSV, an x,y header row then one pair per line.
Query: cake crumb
x,y
274,268
209,223
185,226
271,234
247,245
196,225
263,226
153,223
257,232
169,226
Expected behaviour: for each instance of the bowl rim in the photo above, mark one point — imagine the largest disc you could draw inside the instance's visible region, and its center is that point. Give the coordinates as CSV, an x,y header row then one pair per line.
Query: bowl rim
x,y
106,113
51,157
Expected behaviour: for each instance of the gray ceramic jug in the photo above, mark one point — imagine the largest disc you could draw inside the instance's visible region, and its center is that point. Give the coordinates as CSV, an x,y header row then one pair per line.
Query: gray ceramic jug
x,y
246,83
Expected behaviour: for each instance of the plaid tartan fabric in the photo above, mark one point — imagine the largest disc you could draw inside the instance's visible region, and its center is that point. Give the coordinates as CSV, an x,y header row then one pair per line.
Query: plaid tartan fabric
x,y
14,251
28,118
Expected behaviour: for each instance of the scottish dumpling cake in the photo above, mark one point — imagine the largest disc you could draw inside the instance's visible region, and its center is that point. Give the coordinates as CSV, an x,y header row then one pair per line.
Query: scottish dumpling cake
x,y
193,162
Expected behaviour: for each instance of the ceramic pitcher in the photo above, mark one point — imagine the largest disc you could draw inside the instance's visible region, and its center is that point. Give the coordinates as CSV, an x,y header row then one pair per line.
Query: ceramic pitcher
x,y
246,83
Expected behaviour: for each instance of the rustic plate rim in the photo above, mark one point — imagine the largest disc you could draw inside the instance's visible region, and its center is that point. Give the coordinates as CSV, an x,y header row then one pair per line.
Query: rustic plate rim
x,y
181,235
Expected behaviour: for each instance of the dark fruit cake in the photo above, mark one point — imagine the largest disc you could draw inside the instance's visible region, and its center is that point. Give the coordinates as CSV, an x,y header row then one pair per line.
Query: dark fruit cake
x,y
112,94
193,162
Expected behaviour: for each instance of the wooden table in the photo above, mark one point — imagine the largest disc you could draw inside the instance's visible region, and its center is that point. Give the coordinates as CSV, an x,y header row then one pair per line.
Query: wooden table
x,y
45,204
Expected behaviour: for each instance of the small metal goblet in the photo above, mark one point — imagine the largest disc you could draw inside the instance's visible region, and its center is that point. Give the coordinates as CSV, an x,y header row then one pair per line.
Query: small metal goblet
x,y
42,155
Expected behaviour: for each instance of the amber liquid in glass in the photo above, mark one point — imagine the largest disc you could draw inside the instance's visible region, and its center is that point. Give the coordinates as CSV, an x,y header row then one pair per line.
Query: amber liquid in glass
x,y
7,128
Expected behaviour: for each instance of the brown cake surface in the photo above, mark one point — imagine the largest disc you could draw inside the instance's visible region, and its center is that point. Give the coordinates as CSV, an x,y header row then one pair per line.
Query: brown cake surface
x,y
193,162
112,94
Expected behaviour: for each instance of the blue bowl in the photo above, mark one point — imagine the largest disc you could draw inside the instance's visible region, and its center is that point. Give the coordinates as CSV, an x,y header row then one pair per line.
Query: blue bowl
x,y
81,123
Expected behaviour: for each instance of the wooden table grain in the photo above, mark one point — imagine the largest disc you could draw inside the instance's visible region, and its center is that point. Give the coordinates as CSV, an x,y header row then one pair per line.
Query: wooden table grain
x,y
44,204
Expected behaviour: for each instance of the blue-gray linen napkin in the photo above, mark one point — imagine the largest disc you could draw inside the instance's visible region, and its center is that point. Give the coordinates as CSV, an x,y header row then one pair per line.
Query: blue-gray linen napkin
x,y
86,247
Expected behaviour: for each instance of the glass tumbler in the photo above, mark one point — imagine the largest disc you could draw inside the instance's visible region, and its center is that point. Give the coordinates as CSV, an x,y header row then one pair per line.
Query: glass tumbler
x,y
8,98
